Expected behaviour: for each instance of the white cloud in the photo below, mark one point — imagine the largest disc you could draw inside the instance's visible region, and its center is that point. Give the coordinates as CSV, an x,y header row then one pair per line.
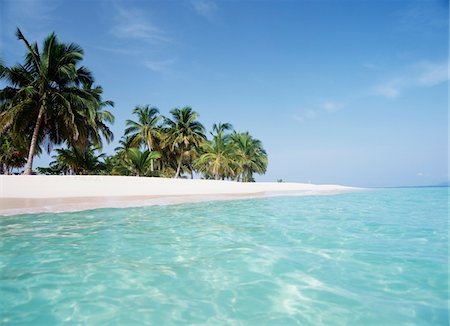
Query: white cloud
x,y
422,16
421,74
126,51
331,106
306,114
316,111
371,66
432,73
387,90
134,23
37,10
311,114
158,66
33,17
205,8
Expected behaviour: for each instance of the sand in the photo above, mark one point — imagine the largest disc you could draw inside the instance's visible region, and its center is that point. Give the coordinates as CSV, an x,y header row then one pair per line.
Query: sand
x,y
35,194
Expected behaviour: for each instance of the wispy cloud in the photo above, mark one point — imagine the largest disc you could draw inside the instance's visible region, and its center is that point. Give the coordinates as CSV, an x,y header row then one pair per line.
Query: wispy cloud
x,y
371,66
420,74
331,106
316,111
135,24
33,17
389,89
33,9
422,16
432,73
205,8
158,66
126,51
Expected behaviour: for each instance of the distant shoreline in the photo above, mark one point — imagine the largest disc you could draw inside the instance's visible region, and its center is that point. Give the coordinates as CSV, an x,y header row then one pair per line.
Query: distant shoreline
x,y
37,194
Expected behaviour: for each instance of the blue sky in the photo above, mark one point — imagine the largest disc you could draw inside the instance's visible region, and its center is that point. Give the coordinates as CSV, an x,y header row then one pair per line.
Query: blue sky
x,y
348,92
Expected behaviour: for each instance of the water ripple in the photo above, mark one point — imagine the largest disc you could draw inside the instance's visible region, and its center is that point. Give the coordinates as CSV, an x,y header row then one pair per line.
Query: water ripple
x,y
363,258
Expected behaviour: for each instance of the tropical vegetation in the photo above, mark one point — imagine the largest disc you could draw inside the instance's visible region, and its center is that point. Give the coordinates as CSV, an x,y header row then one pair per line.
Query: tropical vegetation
x,y
51,100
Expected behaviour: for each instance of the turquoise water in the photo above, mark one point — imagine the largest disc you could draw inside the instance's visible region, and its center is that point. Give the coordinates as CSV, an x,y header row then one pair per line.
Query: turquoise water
x,y
377,257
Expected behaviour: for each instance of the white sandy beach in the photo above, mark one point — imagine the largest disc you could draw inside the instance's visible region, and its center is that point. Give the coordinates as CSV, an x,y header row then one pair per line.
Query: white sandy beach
x,y
34,194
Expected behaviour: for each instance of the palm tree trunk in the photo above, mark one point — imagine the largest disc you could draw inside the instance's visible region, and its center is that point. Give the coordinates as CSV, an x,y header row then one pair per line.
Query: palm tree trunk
x,y
179,166
151,161
151,167
34,139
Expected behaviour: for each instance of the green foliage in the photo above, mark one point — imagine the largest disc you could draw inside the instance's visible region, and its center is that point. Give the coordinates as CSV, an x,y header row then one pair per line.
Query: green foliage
x,y
50,97
252,156
73,161
145,130
183,135
233,156
12,152
218,156
137,162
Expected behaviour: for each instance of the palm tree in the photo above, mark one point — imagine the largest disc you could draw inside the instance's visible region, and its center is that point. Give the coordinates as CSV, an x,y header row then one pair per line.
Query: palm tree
x,y
217,157
54,168
124,145
138,162
79,162
184,133
12,153
221,128
145,130
252,156
97,127
50,96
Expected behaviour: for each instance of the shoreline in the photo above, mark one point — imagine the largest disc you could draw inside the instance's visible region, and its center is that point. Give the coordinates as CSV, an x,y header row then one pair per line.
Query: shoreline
x,y
55,194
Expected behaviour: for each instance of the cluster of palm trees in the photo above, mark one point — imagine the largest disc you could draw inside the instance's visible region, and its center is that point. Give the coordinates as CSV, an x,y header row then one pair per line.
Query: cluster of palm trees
x,y
155,145
51,99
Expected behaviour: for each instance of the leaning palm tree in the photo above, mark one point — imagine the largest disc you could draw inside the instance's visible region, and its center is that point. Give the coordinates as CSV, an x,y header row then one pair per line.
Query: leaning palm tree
x,y
49,96
252,156
184,133
145,130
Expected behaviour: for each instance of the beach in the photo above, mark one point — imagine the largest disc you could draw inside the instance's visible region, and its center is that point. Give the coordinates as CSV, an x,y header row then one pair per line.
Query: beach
x,y
41,193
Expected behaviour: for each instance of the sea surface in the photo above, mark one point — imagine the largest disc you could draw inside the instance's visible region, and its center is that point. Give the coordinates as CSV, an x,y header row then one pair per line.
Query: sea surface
x,y
377,257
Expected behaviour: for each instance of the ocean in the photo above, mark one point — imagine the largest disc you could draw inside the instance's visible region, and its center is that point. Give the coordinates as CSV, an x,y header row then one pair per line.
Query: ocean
x,y
376,257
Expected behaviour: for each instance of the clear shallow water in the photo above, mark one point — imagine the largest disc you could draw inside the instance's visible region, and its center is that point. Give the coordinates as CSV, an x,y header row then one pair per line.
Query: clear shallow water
x,y
377,257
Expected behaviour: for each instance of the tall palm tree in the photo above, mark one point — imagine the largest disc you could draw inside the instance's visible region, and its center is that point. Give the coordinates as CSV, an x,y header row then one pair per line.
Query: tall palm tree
x,y
184,133
145,130
252,156
217,157
50,96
